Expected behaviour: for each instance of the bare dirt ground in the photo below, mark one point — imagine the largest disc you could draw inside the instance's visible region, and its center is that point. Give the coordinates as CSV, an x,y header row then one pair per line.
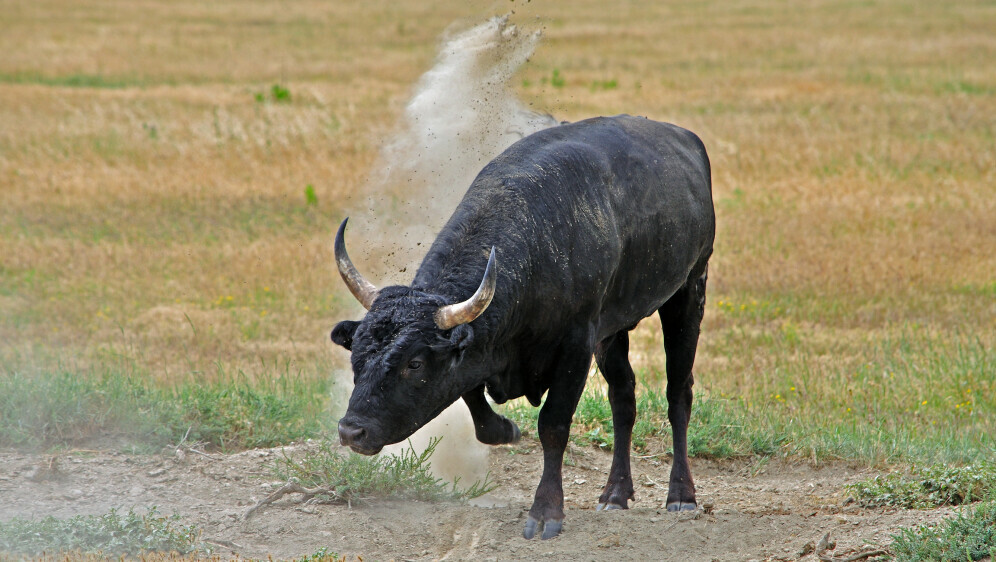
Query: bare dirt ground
x,y
767,510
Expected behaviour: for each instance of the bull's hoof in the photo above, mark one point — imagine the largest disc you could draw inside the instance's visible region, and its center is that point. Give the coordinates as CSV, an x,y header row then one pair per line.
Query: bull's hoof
x,y
516,433
681,506
550,527
616,495
502,432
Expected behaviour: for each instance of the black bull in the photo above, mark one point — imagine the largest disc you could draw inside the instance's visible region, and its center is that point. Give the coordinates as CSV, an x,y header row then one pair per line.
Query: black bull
x,y
590,227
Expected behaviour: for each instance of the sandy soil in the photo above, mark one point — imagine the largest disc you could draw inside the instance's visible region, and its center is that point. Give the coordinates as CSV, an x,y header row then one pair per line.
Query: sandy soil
x,y
751,510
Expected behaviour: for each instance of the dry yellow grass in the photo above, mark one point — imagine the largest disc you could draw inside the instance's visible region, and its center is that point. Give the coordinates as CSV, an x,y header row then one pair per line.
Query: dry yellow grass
x,y
150,206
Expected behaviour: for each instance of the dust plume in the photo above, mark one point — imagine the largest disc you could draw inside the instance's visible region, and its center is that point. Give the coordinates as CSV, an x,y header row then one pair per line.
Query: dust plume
x,y
458,455
461,115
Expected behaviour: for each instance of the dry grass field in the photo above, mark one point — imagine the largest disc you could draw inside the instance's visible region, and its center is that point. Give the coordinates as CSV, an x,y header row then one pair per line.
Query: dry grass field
x,y
171,174
153,181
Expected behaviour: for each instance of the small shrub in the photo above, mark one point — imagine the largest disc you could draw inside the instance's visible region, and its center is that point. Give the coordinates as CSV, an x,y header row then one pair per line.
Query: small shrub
x,y
968,536
356,478
927,487
109,534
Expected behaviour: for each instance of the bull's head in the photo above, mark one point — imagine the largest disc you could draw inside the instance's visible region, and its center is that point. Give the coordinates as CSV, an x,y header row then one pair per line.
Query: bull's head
x,y
405,354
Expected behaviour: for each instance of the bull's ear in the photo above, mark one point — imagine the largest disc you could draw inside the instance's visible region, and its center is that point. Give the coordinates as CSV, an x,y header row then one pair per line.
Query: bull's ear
x,y
460,339
343,332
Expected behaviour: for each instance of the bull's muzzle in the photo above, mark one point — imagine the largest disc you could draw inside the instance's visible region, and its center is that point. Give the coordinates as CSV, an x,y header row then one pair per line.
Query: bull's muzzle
x,y
356,438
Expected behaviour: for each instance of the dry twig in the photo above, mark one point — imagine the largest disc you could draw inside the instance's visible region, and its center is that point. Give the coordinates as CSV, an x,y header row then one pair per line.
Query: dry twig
x,y
292,487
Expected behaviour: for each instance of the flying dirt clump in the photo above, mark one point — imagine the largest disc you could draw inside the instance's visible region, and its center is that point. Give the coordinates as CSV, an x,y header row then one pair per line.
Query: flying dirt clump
x,y
460,117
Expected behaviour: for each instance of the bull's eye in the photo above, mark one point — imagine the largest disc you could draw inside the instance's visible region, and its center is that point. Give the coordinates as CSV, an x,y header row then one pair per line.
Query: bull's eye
x,y
414,365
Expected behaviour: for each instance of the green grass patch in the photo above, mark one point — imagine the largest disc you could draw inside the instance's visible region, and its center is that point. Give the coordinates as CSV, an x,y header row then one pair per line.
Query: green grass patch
x,y
72,80
720,428
347,478
927,487
971,535
914,400
276,94
909,395
67,408
109,534
321,555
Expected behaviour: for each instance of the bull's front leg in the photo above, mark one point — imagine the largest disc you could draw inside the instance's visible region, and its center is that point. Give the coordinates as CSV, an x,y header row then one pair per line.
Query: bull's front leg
x,y
554,426
490,428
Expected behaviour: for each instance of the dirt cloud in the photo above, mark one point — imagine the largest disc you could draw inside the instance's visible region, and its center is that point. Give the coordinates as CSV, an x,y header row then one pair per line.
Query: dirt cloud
x,y
461,115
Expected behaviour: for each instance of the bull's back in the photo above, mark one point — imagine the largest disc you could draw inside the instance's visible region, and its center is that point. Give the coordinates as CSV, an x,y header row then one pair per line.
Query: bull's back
x,y
622,211
600,221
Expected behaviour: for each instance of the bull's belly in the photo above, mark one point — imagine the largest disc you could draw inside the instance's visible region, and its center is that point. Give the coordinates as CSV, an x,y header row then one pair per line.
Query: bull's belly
x,y
626,315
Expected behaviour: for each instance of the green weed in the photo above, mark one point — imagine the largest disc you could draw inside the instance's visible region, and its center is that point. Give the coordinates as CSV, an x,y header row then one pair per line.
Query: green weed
x,y
321,555
356,478
971,535
277,93
927,487
110,534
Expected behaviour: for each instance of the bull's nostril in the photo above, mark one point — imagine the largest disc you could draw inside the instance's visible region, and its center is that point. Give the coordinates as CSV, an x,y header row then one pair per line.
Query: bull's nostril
x,y
349,433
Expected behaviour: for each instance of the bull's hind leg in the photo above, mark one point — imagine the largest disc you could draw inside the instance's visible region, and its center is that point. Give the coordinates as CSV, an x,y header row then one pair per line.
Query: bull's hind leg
x,y
612,356
490,428
681,316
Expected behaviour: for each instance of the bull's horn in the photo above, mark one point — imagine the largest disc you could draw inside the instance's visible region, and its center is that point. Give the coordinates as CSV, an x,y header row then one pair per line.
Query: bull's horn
x,y
363,290
453,315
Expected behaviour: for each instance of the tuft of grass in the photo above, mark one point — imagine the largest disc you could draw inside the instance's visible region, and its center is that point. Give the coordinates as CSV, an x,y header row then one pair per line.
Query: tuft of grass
x,y
66,407
309,195
109,534
356,478
556,79
722,428
321,555
277,94
927,487
970,535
